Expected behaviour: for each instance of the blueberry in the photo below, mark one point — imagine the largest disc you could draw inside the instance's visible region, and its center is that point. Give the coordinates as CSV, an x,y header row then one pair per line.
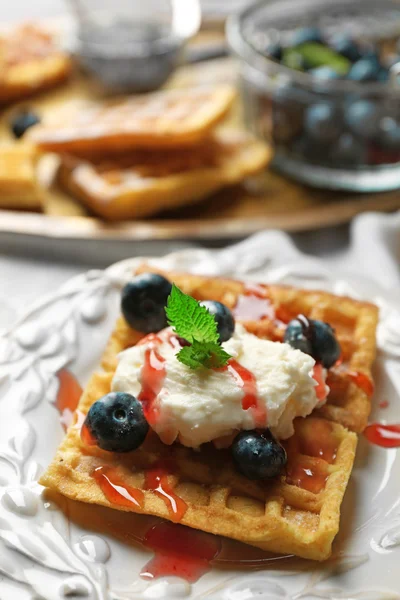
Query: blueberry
x,y
306,34
348,150
117,423
389,136
345,46
315,338
363,118
383,75
143,302
324,73
223,317
298,337
365,69
22,121
326,348
321,122
258,455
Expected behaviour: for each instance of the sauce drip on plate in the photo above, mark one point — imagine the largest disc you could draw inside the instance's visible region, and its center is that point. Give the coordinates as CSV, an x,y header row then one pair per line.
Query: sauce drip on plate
x,y
68,396
179,551
386,436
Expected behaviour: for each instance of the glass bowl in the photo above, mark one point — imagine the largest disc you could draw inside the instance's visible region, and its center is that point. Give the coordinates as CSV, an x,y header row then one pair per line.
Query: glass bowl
x,y
358,147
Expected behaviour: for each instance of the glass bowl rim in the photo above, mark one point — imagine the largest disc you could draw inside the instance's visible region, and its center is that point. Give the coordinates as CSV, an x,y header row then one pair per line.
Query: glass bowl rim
x,y
256,59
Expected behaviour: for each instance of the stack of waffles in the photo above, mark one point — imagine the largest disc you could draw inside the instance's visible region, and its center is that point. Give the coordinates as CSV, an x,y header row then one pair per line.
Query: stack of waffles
x,y
30,62
139,155
296,513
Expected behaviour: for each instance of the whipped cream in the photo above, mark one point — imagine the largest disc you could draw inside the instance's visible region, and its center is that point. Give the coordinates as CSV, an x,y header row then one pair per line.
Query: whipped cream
x,y
198,406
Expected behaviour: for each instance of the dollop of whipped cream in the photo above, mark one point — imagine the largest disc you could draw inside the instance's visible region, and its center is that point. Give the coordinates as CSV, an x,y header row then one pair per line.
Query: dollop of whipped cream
x,y
202,405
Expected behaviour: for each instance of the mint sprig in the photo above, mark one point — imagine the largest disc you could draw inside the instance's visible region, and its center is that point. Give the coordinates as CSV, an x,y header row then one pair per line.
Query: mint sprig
x,y
194,323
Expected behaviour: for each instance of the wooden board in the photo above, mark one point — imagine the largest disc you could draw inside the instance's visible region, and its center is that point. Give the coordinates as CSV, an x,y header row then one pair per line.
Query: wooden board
x,y
270,201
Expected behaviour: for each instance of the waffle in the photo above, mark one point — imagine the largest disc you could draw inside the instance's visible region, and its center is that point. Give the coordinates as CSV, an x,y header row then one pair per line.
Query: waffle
x,y
141,183
349,403
18,185
30,62
297,513
167,118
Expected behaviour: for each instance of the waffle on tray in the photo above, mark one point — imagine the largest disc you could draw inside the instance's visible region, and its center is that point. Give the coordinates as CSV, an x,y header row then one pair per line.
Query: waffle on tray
x,y
30,61
142,182
166,118
18,182
294,514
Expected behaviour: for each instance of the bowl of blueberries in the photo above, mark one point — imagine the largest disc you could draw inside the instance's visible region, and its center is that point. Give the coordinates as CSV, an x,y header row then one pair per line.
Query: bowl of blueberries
x,y
320,81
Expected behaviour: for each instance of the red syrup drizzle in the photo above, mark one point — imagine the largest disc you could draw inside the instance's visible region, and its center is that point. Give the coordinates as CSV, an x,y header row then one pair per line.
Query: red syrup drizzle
x,y
254,304
68,396
250,401
320,389
157,481
115,489
386,436
307,478
179,551
363,381
153,375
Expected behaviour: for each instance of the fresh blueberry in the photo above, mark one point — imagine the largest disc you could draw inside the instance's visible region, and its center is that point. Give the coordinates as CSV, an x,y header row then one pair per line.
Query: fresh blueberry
x,y
321,122
365,69
324,73
348,150
288,106
326,348
315,338
223,317
258,455
117,423
22,121
298,336
345,46
306,34
389,136
275,51
363,118
144,300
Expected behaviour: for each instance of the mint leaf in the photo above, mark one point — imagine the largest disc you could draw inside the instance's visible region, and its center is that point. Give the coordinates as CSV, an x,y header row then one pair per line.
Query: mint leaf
x,y
189,319
208,355
195,324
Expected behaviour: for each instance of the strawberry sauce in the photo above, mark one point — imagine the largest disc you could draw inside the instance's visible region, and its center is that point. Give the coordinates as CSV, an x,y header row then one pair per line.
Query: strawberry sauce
x,y
320,389
157,481
115,489
68,396
307,478
251,401
363,381
386,436
153,375
179,551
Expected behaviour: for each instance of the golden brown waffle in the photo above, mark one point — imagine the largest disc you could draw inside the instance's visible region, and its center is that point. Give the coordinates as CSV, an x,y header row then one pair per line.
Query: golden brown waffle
x,y
30,61
354,322
167,118
297,513
143,182
18,185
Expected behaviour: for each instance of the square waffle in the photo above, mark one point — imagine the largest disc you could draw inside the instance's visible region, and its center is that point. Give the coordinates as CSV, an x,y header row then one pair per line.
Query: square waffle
x,y
18,183
142,182
297,513
30,61
167,118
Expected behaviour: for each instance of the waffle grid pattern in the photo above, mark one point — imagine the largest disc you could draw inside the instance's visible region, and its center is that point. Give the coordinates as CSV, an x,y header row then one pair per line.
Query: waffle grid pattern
x,y
297,514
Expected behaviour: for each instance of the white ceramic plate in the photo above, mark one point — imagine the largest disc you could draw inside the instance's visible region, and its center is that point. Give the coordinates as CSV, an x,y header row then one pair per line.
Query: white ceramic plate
x,y
42,555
